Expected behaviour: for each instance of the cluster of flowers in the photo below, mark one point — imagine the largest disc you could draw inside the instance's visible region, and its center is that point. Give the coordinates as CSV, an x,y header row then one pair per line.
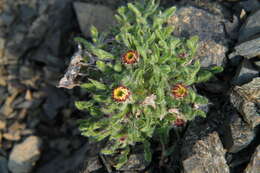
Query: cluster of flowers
x,y
122,93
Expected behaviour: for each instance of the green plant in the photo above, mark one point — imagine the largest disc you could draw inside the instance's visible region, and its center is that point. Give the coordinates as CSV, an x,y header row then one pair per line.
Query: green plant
x,y
141,82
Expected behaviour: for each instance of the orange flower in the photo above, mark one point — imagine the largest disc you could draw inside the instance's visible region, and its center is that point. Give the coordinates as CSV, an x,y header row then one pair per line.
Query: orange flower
x,y
121,94
179,91
130,57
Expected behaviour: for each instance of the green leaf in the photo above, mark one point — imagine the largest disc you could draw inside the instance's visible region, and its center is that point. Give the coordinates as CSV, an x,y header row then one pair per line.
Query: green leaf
x,y
98,85
84,42
100,98
169,12
88,86
134,9
118,66
200,113
101,65
83,105
94,33
165,69
192,44
123,158
216,69
147,151
201,100
102,54
203,76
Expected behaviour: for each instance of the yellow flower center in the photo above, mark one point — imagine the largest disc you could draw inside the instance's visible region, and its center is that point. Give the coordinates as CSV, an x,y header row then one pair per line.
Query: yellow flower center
x,y
121,93
179,91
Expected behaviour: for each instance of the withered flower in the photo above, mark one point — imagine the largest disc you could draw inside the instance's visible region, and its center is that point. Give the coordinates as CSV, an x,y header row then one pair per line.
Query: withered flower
x,y
179,122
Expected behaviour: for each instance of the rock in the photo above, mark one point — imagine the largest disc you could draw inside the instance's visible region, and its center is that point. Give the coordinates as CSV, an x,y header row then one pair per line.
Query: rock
x,y
3,165
7,18
2,124
24,155
93,164
90,14
250,5
74,162
56,99
251,26
257,64
240,134
246,99
191,21
7,110
254,165
136,162
203,153
245,73
249,49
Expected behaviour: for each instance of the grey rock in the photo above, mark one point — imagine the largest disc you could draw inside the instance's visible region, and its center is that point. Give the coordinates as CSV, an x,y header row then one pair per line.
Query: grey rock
x,y
6,19
24,155
245,73
136,162
27,13
56,99
246,99
203,152
74,162
90,14
249,49
257,64
250,5
241,135
251,27
93,164
3,165
213,7
191,21
254,165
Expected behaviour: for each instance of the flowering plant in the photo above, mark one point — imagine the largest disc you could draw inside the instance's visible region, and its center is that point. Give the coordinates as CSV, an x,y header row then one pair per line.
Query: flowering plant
x,y
140,82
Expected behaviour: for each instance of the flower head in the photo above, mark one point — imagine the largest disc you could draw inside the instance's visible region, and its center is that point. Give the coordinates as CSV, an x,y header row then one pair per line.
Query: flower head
x,y
183,55
179,122
179,91
123,139
130,57
121,94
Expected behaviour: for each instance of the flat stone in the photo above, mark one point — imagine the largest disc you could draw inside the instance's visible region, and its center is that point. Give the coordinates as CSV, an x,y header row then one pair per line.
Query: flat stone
x,y
252,24
254,165
2,48
12,136
245,99
249,49
257,64
89,14
240,132
2,124
191,21
245,73
3,165
204,154
7,110
24,155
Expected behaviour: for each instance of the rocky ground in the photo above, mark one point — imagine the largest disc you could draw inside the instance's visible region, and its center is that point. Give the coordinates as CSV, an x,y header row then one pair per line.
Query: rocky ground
x,y
38,121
